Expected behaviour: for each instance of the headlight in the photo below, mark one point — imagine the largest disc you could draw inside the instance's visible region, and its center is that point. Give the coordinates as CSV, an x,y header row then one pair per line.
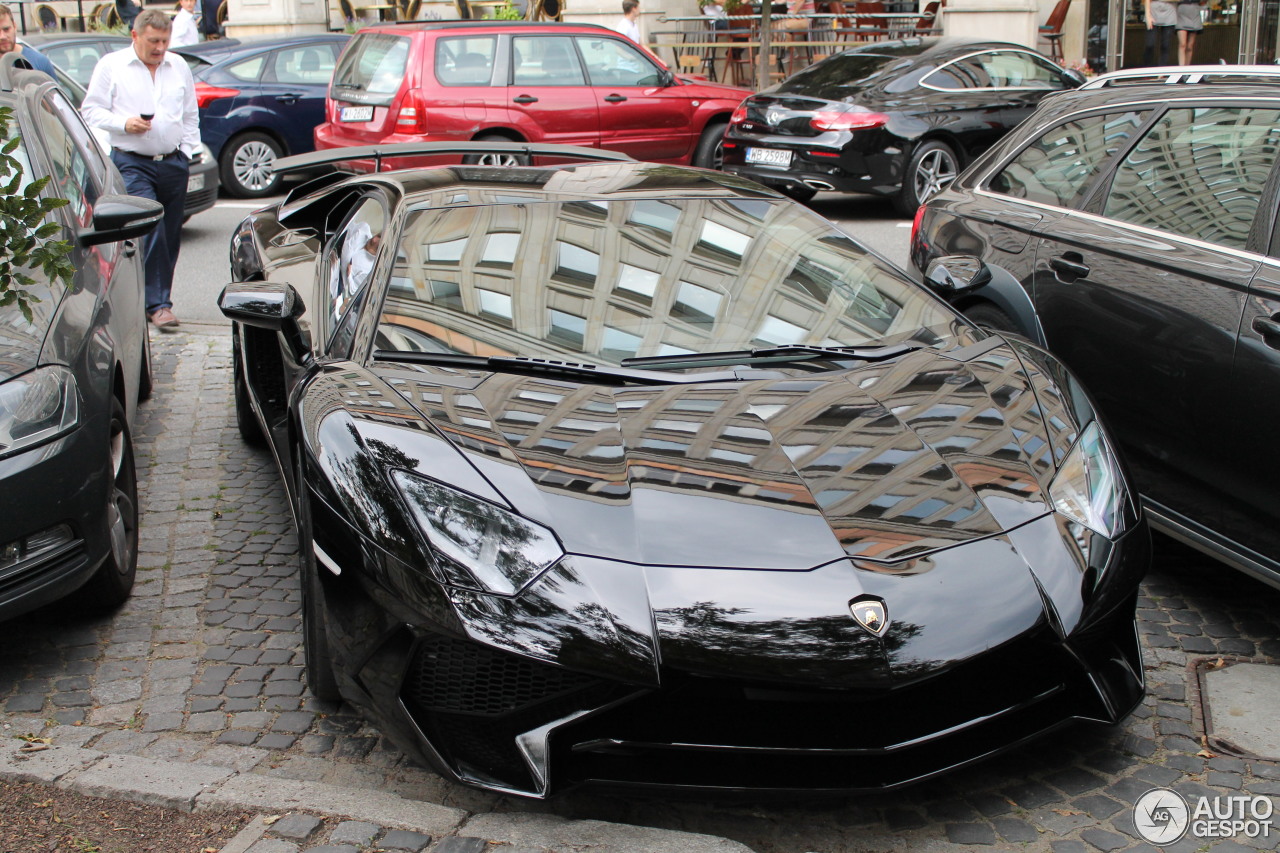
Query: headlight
x,y
479,544
1089,488
37,407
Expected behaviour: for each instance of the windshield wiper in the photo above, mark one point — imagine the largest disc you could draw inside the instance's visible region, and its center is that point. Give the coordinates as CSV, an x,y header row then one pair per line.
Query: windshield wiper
x,y
774,354
602,374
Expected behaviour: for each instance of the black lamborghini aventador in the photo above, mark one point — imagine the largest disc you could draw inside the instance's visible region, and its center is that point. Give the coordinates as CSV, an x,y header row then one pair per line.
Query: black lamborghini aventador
x,y
638,475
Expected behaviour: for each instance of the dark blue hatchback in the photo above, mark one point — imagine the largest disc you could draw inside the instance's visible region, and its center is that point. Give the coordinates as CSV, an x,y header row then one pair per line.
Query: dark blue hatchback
x,y
260,100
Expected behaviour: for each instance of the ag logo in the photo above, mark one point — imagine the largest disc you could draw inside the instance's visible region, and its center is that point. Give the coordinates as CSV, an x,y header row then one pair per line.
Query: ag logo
x,y
870,613
1161,816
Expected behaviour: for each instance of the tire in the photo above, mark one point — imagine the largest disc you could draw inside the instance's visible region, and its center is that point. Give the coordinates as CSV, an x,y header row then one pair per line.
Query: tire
x,y
990,317
250,430
933,167
710,151
495,159
317,657
110,585
146,381
245,165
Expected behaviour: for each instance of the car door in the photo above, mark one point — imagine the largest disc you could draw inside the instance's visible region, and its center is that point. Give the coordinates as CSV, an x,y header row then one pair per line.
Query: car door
x,y
1252,513
1142,294
972,110
639,115
1020,79
548,96
293,86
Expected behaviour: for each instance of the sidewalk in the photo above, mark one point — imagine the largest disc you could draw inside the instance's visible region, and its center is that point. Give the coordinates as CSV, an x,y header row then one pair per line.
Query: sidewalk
x,y
193,696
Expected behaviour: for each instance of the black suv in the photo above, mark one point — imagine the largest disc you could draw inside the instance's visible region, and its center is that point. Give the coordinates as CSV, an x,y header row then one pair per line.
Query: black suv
x,y
1130,226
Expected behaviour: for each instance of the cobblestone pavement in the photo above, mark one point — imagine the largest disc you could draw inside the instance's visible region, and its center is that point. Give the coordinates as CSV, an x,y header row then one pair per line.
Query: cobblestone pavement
x,y
203,666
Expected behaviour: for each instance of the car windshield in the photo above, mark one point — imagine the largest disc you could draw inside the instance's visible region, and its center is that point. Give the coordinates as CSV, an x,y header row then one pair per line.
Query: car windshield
x,y
603,281
372,68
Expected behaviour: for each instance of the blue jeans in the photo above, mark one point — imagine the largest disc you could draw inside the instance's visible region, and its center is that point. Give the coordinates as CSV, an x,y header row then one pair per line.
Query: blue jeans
x,y
164,181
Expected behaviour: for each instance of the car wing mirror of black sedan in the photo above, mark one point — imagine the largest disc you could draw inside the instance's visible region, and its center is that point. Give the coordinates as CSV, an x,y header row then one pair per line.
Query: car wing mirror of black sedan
x,y
954,274
121,217
1073,78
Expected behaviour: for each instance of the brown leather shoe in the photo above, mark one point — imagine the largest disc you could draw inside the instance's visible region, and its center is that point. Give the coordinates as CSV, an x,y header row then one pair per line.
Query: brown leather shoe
x,y
163,319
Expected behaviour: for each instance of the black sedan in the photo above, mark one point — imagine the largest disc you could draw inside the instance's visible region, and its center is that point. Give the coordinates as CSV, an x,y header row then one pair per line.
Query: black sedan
x,y
897,118
71,374
640,475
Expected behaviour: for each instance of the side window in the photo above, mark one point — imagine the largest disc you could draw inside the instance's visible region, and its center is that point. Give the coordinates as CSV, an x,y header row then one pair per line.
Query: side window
x,y
545,61
310,65
612,62
1010,68
84,137
465,61
1198,171
71,177
965,73
77,59
351,256
247,70
1057,167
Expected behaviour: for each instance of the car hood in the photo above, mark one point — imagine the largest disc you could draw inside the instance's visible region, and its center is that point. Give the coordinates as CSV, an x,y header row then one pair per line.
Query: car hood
x,y
881,463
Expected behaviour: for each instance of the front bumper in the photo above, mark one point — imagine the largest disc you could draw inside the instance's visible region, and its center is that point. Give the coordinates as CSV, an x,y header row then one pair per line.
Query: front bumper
x,y
595,676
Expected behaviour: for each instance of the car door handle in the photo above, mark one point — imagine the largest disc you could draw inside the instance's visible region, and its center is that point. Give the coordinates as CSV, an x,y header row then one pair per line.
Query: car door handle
x,y
288,98
613,99
525,99
130,248
1069,267
1268,328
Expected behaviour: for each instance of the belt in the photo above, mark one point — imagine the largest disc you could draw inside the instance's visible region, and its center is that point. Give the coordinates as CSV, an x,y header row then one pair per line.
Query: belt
x,y
156,157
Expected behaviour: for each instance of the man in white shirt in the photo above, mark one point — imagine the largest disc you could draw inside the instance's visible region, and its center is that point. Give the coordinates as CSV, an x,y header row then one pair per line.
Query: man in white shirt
x,y
184,25
144,97
629,23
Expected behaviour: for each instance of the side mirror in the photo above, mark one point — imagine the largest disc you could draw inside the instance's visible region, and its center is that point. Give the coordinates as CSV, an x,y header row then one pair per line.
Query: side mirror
x,y
1073,78
952,275
262,304
121,217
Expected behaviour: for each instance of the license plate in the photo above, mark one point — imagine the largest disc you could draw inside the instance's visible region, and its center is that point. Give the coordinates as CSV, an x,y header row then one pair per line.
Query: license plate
x,y
195,182
769,157
356,114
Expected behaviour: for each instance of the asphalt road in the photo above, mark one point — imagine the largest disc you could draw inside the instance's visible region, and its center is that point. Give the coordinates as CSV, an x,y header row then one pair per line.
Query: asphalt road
x,y
203,267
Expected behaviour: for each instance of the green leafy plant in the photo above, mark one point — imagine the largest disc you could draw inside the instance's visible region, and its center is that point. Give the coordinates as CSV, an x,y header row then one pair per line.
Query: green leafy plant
x,y
25,236
506,12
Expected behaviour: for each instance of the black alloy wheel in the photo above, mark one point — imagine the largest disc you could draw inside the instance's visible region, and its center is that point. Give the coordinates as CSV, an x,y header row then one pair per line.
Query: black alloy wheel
x,y
710,151
110,585
990,317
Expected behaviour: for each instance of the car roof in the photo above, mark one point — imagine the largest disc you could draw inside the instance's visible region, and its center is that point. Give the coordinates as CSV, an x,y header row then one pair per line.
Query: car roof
x,y
928,46
1072,100
228,47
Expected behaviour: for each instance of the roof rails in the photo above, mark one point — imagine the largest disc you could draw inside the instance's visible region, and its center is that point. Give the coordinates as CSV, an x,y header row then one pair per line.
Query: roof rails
x,y
487,22
377,153
1263,74
10,63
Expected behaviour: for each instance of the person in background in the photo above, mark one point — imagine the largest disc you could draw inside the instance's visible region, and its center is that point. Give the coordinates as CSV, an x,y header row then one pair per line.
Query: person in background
x,y
1161,18
1190,23
184,25
128,12
629,23
9,44
145,98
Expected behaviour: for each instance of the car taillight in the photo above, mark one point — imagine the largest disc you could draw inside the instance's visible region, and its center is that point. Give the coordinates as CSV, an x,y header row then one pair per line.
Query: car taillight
x,y
412,117
842,120
915,228
206,94
739,115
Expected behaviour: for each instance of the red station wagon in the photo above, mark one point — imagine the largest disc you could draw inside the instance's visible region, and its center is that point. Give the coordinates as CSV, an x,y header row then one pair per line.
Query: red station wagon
x,y
571,84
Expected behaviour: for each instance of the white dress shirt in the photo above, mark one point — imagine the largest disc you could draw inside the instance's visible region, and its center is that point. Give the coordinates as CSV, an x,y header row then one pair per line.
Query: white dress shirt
x,y
122,87
184,29
628,28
